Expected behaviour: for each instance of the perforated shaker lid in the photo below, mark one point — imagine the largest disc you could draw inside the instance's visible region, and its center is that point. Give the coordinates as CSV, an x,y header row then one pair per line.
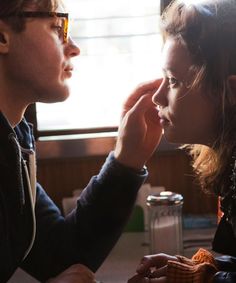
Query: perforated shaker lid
x,y
164,198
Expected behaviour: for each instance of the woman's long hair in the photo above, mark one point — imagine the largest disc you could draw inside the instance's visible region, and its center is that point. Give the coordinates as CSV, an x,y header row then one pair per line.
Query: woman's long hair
x,y
208,29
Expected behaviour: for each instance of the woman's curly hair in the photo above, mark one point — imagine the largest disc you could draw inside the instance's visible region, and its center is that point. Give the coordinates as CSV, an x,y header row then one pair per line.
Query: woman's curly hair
x,y
208,29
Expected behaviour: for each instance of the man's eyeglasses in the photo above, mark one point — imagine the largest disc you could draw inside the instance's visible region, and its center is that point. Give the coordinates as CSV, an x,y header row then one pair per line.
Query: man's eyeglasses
x,y
38,14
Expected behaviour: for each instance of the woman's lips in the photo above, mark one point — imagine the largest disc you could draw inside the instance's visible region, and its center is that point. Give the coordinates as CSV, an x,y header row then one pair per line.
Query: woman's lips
x,y
164,122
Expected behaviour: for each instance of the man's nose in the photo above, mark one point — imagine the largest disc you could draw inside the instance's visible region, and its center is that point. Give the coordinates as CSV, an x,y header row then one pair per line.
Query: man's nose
x,y
74,48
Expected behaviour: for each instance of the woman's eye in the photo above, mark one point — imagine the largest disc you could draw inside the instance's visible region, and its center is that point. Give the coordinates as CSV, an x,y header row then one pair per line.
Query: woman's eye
x,y
172,82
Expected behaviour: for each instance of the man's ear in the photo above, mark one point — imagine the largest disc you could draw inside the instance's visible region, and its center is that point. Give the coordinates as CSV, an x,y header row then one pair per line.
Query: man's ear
x,y
4,38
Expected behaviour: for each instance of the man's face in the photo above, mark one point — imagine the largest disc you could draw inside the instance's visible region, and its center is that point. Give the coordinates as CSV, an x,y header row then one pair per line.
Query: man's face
x,y
38,63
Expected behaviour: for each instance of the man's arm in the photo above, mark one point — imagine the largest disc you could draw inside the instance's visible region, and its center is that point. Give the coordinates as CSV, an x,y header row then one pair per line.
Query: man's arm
x,y
88,234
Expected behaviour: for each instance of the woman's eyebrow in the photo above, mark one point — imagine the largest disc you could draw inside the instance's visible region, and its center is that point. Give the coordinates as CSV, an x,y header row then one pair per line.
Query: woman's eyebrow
x,y
166,70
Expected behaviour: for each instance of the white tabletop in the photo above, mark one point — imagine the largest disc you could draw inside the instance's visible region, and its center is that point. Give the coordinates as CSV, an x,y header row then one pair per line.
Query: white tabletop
x,y
131,247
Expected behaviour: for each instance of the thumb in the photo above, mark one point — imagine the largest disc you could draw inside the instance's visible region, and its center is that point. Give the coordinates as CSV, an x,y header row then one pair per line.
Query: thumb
x,y
148,87
143,104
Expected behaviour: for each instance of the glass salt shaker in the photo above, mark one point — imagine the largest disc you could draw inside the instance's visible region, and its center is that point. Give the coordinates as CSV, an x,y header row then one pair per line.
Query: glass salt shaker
x,y
165,223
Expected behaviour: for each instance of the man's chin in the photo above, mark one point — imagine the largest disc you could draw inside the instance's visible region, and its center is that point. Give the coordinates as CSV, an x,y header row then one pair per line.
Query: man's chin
x,y
56,96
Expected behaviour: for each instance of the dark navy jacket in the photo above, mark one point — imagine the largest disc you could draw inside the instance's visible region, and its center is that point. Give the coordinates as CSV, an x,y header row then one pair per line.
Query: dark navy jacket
x,y
225,243
85,236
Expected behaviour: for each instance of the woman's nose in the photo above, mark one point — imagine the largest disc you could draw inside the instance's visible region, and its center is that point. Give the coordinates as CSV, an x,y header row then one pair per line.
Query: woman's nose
x,y
160,96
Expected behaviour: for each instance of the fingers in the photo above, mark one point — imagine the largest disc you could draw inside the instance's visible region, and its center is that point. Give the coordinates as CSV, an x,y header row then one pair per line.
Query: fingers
x,y
139,133
79,268
140,130
158,280
152,116
150,86
156,261
146,88
152,269
144,103
76,273
160,272
137,278
144,108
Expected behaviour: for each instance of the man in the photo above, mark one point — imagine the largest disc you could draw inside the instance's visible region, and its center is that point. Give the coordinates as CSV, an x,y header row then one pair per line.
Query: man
x,y
35,64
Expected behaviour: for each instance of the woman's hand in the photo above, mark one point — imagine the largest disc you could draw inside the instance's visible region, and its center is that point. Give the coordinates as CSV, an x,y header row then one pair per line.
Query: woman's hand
x,y
140,131
140,279
77,273
152,269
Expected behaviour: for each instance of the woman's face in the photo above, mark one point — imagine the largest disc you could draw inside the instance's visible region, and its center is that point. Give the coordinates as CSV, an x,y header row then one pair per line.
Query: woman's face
x,y
186,115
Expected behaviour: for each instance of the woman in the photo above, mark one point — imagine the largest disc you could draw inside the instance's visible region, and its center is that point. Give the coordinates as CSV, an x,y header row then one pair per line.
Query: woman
x,y
197,106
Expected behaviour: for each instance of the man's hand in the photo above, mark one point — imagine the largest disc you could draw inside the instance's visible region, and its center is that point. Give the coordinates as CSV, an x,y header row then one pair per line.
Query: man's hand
x,y
77,273
140,131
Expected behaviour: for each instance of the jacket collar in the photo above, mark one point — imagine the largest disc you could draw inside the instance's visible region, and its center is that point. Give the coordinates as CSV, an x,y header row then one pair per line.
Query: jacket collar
x,y
23,131
5,128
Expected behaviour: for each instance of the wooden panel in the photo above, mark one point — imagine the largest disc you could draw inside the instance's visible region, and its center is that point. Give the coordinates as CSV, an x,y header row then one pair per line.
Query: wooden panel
x,y
171,169
60,177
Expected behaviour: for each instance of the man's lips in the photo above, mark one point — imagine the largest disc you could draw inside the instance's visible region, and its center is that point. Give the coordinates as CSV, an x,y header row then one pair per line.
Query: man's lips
x,y
68,70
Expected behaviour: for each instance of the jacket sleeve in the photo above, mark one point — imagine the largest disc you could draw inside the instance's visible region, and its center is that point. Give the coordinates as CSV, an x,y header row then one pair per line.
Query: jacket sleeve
x,y
224,277
227,265
224,243
89,233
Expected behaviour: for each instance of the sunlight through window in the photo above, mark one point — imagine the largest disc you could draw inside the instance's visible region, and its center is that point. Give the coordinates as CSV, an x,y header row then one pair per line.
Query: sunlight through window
x,y
120,48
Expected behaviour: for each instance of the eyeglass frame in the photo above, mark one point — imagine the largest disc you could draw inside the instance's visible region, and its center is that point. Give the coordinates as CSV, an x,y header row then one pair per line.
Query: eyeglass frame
x,y
43,14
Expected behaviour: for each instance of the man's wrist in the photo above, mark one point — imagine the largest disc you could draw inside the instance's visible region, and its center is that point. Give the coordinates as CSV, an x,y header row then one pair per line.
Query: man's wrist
x,y
130,165
128,162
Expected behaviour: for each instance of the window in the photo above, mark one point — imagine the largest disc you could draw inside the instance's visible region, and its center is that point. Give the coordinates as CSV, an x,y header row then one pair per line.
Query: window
x,y
120,48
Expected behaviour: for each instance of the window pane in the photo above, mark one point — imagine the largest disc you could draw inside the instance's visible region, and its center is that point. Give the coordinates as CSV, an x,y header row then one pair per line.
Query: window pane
x,y
120,48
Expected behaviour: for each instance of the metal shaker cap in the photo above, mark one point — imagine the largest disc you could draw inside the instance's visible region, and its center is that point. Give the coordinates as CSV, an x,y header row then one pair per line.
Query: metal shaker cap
x,y
165,198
